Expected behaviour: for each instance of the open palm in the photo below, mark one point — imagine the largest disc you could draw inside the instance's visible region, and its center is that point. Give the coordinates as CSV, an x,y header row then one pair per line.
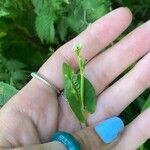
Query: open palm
x,y
36,112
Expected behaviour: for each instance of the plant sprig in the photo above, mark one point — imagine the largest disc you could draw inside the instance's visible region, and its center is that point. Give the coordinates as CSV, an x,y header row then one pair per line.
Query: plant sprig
x,y
81,63
78,90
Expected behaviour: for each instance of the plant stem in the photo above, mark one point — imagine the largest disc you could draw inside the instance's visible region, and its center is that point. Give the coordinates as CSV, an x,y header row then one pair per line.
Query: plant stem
x,y
81,63
81,83
82,90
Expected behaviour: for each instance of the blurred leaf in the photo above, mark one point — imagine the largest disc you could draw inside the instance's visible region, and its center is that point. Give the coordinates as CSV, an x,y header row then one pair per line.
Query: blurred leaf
x,y
6,92
142,147
13,8
14,65
3,13
84,12
46,11
2,34
45,27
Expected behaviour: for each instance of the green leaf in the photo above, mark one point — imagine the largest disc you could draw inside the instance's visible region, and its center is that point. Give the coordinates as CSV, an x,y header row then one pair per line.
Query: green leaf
x,y
45,27
13,8
2,34
89,96
67,70
61,30
89,93
82,13
141,147
6,92
3,13
14,65
147,104
46,11
95,9
71,91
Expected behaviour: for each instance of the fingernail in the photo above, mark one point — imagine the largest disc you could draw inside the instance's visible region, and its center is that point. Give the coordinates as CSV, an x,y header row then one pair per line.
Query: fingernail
x,y
109,129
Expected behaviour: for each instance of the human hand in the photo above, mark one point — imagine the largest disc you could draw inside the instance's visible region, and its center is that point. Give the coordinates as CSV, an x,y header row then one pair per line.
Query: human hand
x,y
35,113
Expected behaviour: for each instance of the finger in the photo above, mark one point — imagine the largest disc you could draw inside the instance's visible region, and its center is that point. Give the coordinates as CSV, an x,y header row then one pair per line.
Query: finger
x,y
102,136
103,69
136,133
47,146
96,37
117,97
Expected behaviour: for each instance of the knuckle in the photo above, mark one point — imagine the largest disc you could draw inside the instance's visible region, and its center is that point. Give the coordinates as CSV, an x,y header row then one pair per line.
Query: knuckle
x,y
141,81
88,139
142,78
143,126
108,109
68,57
143,132
99,77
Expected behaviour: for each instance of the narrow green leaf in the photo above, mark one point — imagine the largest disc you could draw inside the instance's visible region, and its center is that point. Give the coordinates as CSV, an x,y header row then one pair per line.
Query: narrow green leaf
x,y
6,92
67,70
81,63
71,91
89,96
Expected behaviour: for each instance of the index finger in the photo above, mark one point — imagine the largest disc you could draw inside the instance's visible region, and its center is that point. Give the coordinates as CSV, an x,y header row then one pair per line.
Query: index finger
x,y
95,38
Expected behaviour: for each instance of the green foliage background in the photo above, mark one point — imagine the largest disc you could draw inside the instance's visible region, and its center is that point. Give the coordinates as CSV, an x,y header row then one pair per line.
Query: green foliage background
x,y
31,30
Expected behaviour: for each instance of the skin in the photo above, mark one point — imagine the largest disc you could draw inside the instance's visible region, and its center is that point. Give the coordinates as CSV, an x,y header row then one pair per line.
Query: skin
x,y
36,112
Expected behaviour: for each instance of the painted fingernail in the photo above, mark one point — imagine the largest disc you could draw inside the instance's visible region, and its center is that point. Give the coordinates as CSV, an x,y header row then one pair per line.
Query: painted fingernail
x,y
109,129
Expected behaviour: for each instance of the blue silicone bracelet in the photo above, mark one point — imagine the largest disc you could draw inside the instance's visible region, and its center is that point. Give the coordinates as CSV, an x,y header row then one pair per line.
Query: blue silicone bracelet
x,y
67,139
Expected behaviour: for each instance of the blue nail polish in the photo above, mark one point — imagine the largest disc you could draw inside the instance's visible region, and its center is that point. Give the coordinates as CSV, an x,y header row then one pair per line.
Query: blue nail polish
x,y
109,129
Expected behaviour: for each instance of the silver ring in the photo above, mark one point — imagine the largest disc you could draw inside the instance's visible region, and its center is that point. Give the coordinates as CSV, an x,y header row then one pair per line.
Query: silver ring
x,y
48,83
